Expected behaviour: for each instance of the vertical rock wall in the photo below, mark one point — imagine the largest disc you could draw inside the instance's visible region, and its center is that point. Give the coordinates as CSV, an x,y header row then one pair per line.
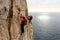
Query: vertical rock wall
x,y
4,11
10,11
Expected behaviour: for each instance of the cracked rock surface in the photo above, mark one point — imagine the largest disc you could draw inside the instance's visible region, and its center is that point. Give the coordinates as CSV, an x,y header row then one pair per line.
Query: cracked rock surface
x,y
10,11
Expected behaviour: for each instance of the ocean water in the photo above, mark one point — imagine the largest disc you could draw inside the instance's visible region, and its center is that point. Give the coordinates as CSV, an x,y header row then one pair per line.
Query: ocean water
x,y
46,26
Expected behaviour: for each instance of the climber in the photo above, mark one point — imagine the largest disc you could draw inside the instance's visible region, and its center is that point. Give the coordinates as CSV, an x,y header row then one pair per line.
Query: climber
x,y
29,18
23,23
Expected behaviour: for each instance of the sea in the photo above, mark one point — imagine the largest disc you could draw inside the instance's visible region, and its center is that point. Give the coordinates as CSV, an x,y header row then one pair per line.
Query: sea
x,y
46,25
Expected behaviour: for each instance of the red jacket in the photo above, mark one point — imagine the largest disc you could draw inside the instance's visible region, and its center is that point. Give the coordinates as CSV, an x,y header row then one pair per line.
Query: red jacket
x,y
23,20
30,17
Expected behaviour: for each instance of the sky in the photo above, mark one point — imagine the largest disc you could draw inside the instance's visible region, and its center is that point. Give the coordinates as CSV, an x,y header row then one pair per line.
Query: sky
x,y
43,5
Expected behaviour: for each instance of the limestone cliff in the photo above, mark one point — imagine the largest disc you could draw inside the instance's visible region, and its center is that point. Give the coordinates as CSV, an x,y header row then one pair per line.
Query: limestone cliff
x,y
10,24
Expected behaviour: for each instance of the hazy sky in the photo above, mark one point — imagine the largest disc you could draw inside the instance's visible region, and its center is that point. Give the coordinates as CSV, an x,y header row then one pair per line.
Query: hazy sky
x,y
43,5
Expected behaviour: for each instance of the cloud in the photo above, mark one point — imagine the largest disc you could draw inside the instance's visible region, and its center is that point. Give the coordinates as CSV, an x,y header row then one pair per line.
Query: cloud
x,y
44,4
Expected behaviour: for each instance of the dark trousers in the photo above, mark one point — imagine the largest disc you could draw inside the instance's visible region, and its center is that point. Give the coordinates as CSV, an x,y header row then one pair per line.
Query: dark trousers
x,y
22,28
30,20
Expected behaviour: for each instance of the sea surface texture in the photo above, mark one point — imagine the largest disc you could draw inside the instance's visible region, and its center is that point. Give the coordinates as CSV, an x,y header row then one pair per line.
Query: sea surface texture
x,y
46,26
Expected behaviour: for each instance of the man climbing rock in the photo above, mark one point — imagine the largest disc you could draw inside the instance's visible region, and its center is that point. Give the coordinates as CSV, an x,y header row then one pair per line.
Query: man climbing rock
x,y
29,18
23,23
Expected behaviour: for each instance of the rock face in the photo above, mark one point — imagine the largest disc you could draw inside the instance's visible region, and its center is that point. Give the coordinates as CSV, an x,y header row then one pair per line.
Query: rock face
x,y
10,24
